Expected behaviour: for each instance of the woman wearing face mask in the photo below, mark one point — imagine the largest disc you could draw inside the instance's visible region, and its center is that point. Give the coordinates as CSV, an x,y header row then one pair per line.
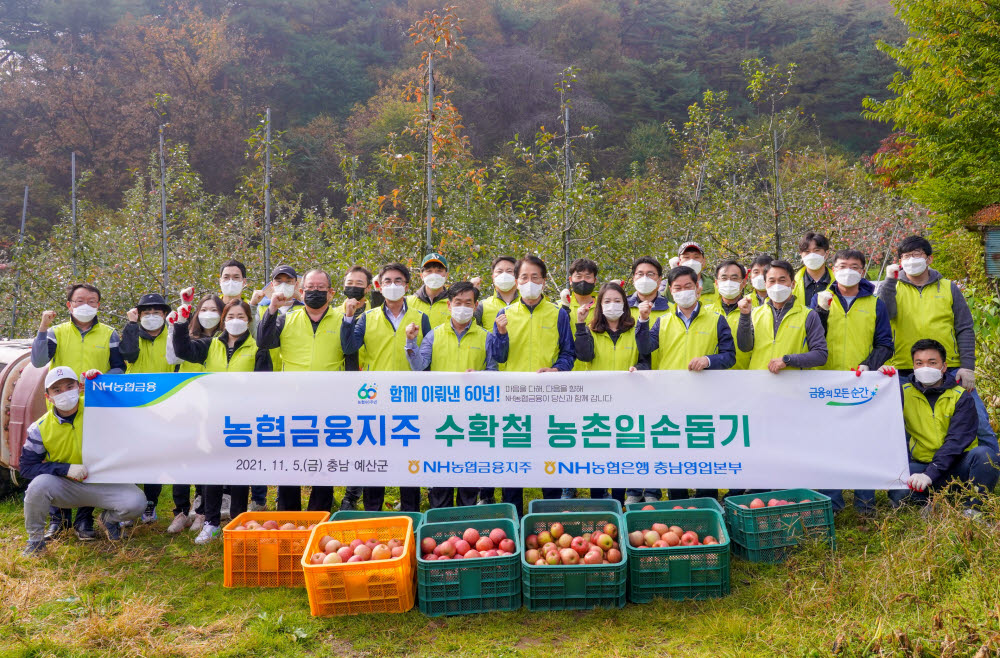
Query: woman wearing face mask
x,y
144,348
582,280
233,349
505,292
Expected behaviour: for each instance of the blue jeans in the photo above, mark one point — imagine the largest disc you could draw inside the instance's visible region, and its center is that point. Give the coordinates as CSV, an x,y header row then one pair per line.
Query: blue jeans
x,y
864,499
642,493
978,466
568,494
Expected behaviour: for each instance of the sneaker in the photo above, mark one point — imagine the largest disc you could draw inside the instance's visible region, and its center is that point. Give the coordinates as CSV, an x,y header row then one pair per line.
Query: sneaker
x,y
227,503
649,498
197,523
257,507
348,505
633,500
112,528
568,494
54,529
180,522
85,532
208,533
34,548
398,506
149,516
483,501
973,514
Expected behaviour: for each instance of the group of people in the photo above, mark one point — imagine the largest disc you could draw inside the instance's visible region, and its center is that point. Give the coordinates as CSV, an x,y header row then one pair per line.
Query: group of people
x,y
764,315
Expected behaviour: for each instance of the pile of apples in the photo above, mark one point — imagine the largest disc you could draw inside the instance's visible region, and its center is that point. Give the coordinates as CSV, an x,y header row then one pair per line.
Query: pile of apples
x,y
555,546
757,503
272,525
469,546
648,508
660,535
333,551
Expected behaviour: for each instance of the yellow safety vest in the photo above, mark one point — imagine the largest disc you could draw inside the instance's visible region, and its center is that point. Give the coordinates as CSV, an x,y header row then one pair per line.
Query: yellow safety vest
x,y
63,441
244,358
610,355
385,347
923,313
492,306
82,352
733,319
302,349
850,333
653,315
437,312
533,336
574,308
791,338
799,289
449,354
925,426
679,343
152,356
358,313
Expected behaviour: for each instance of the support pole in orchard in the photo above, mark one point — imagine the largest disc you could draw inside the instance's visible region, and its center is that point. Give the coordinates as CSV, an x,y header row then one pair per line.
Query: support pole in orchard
x,y
163,214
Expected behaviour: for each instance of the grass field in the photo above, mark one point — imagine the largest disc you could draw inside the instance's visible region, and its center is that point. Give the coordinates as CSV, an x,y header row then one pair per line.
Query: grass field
x,y
899,585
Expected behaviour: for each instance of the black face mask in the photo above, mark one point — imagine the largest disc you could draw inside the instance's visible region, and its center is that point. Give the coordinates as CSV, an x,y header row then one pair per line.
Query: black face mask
x,y
354,292
583,287
316,298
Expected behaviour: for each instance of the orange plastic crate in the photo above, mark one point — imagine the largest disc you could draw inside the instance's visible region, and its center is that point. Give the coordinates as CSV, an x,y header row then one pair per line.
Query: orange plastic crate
x,y
266,558
352,588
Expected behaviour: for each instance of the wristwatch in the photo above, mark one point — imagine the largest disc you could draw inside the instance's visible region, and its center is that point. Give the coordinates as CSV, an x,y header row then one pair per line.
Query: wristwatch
x,y
786,360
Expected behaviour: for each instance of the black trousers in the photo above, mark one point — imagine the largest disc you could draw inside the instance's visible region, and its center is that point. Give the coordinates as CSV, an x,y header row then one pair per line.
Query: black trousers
x,y
374,497
445,496
682,494
239,495
181,495
290,499
64,516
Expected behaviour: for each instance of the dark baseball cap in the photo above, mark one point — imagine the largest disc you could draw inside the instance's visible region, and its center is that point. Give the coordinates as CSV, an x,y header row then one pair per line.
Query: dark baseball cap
x,y
434,257
153,300
284,269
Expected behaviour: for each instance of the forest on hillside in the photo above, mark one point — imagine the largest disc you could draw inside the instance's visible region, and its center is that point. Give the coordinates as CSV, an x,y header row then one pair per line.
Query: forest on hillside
x,y
99,76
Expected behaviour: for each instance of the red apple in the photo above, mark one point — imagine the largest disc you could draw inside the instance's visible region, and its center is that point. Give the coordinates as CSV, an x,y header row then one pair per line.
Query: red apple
x,y
551,546
635,538
317,558
660,528
671,539
648,508
454,539
381,552
564,540
545,537
427,545
540,562
363,552
497,535
354,558
756,503
606,542
507,545
323,541
677,530
355,543
532,555
611,530
774,502
471,535
650,537
289,526
332,558
531,541
472,554
447,549
569,556
462,547
345,553
397,551
484,544
557,530
580,545
430,556
552,557
393,543
614,556
709,539
677,507
659,543
270,525
593,557
444,557
490,553
689,538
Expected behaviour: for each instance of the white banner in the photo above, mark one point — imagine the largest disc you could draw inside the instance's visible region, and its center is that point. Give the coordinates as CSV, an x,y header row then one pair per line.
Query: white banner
x,y
737,429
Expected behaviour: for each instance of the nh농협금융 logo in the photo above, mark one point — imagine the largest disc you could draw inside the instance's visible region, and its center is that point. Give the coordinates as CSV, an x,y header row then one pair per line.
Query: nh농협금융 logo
x,y
367,393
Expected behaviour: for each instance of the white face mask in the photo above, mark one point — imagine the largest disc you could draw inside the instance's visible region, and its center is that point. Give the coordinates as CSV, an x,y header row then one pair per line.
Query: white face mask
x,y
84,313
779,293
462,314
530,290
927,376
236,327
151,322
392,292
685,298
758,282
644,285
693,264
848,278
504,281
230,288
613,310
729,289
914,266
813,261
208,319
66,400
434,281
284,289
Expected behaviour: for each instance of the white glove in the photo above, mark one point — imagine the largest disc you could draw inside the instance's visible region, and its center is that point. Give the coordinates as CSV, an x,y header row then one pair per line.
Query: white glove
x,y
77,472
918,482
892,272
823,299
674,262
564,297
183,313
966,378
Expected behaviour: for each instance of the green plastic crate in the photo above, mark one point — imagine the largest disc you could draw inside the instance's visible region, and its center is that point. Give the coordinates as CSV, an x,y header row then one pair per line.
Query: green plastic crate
x,y
768,534
579,587
472,513
461,587
348,515
698,503
679,572
559,505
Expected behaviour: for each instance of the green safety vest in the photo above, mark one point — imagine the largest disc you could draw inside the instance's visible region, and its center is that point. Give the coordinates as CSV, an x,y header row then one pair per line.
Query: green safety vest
x,y
791,338
357,313
437,312
385,347
302,349
152,356
82,352
799,289
923,313
609,355
850,333
449,354
574,308
244,358
679,343
733,318
63,441
492,306
653,315
925,426
533,336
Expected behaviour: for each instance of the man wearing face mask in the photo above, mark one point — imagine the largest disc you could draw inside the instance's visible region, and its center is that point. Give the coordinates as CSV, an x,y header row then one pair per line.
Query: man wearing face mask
x,y
504,292
693,256
431,299
458,345
940,419
858,337
83,344
757,284
729,279
582,279
646,276
381,334
783,333
814,276
532,335
924,304
310,337
52,459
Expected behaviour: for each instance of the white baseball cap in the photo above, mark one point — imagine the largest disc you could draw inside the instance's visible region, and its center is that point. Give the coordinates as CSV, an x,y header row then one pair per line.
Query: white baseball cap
x,y
60,373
